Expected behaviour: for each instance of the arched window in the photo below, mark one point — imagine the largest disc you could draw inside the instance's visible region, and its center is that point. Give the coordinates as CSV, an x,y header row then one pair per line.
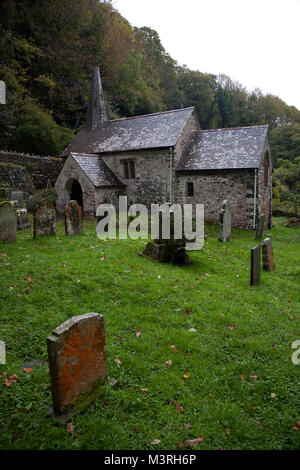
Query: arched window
x,y
266,169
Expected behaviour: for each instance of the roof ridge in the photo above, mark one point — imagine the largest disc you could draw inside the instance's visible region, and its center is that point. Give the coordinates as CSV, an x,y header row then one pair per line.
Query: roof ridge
x,y
151,114
230,128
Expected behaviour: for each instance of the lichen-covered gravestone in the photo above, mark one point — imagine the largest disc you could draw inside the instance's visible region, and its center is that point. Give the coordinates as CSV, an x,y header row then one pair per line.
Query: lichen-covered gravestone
x,y
260,227
31,204
18,196
77,361
44,219
225,222
267,255
8,222
73,219
23,221
255,266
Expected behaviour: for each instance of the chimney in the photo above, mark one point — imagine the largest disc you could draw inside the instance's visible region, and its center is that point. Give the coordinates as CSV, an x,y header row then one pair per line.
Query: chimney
x,y
96,112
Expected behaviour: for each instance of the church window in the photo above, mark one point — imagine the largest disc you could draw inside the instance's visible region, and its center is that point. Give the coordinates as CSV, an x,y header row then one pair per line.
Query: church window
x,y
266,170
190,189
129,169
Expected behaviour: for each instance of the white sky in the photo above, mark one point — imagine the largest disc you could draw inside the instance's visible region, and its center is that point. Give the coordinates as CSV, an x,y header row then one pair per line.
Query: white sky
x,y
255,42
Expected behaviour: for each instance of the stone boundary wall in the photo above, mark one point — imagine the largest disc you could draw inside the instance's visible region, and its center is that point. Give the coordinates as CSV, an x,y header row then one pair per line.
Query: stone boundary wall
x,y
40,169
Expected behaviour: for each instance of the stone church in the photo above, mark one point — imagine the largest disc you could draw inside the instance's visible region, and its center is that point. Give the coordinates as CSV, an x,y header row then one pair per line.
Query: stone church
x,y
166,157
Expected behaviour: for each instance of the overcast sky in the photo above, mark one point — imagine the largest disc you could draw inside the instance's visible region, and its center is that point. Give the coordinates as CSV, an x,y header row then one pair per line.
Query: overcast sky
x,y
255,42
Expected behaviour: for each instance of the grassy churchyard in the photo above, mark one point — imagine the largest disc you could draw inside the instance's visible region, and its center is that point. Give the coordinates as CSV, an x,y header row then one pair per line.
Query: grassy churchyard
x,y
198,354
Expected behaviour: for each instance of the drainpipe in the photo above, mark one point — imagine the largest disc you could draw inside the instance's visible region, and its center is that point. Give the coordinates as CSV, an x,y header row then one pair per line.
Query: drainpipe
x,y
255,197
171,175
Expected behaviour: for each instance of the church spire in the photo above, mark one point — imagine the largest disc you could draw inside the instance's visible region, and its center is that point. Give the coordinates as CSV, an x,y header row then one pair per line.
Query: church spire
x,y
96,112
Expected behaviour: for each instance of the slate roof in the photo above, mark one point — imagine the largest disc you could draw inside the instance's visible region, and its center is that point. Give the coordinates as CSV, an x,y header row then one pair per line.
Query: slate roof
x,y
141,132
97,170
219,149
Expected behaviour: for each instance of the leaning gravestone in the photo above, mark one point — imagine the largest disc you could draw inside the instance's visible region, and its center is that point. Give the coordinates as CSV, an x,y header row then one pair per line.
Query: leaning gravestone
x,y
77,361
255,266
23,221
18,196
31,204
73,218
8,222
260,227
267,255
44,219
225,222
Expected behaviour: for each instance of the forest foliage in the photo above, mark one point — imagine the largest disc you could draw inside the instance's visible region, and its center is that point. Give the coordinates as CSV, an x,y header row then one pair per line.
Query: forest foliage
x,y
47,53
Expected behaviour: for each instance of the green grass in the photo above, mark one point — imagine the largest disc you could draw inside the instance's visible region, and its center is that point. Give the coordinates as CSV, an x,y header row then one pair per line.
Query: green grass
x,y
45,281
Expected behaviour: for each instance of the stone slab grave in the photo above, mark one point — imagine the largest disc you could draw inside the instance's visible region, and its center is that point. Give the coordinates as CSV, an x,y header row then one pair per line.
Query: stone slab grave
x,y
73,219
8,222
260,227
31,204
23,221
163,250
44,219
77,362
18,196
267,255
225,222
255,265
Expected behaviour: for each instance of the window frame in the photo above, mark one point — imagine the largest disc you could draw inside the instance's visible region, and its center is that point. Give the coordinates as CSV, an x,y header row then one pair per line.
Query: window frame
x,y
131,170
190,184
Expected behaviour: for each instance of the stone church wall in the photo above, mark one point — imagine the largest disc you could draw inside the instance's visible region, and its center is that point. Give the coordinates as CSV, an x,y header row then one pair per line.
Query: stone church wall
x,y
211,188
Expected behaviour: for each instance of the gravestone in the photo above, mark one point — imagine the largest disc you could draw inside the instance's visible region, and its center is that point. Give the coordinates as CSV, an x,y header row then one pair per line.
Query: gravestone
x,y
23,221
267,255
77,361
44,219
73,218
255,266
18,196
8,222
31,204
14,204
167,250
260,227
225,222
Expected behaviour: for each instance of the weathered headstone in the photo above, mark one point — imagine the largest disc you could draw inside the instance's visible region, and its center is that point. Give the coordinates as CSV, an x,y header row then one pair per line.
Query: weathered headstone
x,y
267,255
255,266
260,227
44,219
31,204
73,218
23,221
225,222
18,196
8,222
77,361
165,250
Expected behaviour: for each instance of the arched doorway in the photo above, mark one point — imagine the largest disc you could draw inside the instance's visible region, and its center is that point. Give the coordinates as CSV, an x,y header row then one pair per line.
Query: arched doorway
x,y
74,191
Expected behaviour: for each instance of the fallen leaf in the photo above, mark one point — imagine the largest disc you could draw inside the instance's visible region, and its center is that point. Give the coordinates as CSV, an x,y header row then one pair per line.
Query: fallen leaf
x,y
27,369
296,426
192,330
102,259
253,376
188,426
173,348
11,380
186,376
168,363
179,408
155,442
193,442
70,427
117,360
255,421
138,333
231,327
242,377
